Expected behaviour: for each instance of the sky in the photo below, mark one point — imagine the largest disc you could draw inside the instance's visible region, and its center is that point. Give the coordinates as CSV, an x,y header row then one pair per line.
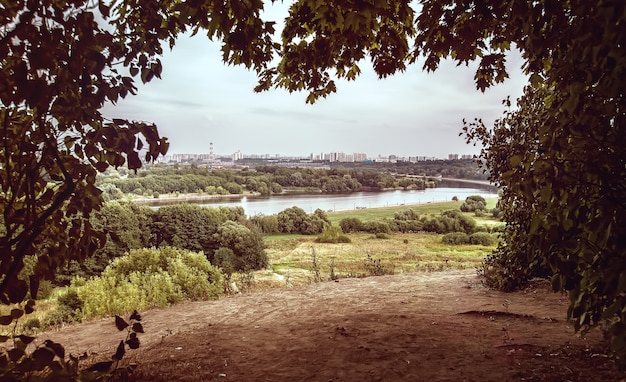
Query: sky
x,y
200,100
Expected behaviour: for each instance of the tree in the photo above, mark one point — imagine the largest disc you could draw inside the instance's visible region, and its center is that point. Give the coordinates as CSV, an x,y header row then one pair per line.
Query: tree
x,y
246,245
560,158
186,226
61,63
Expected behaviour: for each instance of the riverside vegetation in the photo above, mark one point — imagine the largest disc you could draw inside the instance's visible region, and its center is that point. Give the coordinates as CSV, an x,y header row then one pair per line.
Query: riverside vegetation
x,y
185,252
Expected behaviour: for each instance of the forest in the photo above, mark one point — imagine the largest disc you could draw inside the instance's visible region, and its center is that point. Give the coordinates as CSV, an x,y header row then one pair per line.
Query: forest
x,y
155,180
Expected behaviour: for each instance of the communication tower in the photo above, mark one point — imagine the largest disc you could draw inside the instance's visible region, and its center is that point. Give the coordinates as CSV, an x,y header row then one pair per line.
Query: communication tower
x,y
211,155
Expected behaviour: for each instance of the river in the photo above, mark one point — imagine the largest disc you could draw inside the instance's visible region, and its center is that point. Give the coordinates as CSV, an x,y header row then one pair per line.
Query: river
x,y
274,204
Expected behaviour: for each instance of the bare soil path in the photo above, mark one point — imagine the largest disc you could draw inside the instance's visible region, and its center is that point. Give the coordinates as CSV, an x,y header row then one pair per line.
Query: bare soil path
x,y
441,326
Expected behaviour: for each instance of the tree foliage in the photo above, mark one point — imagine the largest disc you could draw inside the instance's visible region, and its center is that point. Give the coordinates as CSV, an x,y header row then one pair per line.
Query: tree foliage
x,y
560,158
62,61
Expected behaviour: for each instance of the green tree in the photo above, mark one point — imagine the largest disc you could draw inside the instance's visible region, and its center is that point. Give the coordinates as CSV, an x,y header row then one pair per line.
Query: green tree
x,y
560,156
60,63
186,226
246,245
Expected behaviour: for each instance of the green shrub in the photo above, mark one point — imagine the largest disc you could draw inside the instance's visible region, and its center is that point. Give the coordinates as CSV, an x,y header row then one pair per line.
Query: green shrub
x,y
350,225
376,227
68,310
482,238
375,267
406,226
474,203
455,238
332,234
382,235
406,215
32,324
148,278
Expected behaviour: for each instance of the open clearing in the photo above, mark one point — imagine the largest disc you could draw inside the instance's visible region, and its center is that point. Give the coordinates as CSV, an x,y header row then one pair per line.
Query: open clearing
x,y
429,326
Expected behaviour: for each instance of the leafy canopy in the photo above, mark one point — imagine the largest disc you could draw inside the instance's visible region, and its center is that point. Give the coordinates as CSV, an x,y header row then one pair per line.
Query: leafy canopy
x,y
61,61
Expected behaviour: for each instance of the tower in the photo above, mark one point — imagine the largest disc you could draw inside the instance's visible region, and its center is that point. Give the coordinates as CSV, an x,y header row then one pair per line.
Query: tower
x,y
211,155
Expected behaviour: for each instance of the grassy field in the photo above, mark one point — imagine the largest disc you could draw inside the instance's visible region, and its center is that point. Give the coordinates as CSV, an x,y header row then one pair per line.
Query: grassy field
x,y
297,259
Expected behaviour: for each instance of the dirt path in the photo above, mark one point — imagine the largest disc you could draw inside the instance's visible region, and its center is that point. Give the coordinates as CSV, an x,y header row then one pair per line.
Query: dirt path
x,y
440,326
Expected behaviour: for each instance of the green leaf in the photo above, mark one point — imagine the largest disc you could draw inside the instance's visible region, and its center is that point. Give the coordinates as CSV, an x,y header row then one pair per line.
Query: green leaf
x,y
120,323
30,307
26,339
43,358
6,320
17,291
15,354
515,160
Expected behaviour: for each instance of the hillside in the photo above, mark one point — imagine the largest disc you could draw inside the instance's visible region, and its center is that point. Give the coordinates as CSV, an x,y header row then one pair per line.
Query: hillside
x,y
440,326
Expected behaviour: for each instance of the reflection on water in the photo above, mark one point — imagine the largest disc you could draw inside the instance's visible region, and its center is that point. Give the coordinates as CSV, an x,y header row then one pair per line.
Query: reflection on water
x,y
339,202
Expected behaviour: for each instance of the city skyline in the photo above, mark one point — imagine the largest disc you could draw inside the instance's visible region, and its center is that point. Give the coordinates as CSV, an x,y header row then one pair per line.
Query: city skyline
x,y
200,99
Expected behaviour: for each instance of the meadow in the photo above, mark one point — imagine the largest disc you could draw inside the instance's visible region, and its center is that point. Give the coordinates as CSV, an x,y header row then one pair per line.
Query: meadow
x,y
298,259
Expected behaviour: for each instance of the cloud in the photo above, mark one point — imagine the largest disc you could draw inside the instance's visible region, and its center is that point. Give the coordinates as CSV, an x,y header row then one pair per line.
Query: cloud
x,y
201,100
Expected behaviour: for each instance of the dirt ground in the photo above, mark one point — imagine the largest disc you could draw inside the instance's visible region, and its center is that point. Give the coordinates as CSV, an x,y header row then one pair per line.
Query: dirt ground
x,y
440,326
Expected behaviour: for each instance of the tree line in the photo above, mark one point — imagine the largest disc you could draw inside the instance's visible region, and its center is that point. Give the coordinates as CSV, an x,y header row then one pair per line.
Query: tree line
x,y
266,180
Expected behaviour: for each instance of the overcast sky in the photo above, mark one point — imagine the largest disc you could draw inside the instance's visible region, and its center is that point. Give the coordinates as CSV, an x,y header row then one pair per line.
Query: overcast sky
x,y
201,100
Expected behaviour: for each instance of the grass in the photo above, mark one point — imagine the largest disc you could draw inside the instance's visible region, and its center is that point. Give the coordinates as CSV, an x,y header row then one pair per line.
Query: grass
x,y
401,253
370,214
291,255
291,260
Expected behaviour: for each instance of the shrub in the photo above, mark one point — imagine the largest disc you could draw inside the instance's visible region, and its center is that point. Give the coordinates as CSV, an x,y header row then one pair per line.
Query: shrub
x,y
148,278
474,203
407,226
267,224
375,268
482,238
455,238
350,225
406,215
376,227
32,324
332,234
68,310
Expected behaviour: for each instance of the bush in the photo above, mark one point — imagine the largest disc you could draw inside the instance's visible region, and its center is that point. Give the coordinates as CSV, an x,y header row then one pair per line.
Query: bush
x,y
375,268
350,225
382,235
482,238
455,238
267,224
406,215
148,278
474,203
406,226
332,234
376,227
68,310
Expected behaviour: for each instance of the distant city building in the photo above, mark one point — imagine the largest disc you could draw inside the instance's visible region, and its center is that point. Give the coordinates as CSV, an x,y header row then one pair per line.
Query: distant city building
x,y
360,157
237,155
